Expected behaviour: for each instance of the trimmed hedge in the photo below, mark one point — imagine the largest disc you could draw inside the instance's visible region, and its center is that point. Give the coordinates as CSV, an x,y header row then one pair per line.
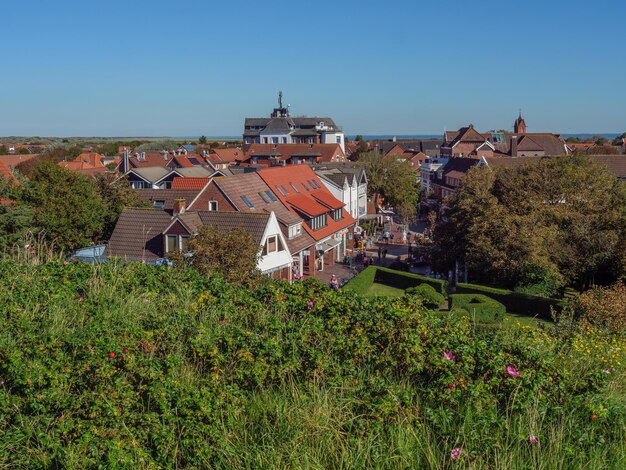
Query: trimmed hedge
x,y
516,302
478,306
362,281
402,280
428,294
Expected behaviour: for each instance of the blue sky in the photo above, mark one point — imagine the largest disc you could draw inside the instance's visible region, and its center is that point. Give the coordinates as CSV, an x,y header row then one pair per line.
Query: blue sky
x,y
122,68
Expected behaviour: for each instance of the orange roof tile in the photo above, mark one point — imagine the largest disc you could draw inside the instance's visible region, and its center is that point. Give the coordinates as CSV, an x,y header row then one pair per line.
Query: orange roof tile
x,y
189,183
327,199
306,204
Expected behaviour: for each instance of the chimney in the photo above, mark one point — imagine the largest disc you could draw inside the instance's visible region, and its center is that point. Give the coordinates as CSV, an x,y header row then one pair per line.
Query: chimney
x,y
126,164
514,146
179,206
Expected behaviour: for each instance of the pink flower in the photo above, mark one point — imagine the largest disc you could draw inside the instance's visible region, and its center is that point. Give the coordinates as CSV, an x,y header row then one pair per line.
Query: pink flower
x,y
81,298
455,453
533,440
65,263
512,371
310,304
449,356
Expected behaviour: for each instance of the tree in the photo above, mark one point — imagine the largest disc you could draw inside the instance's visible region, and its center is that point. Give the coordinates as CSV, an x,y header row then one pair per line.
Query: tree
x,y
202,140
115,193
557,221
603,307
70,213
234,254
394,179
359,138
16,218
3,150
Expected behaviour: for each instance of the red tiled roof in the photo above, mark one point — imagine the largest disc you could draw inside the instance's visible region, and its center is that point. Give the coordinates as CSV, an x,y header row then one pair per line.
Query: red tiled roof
x,y
14,160
189,183
327,152
183,161
228,155
306,204
299,174
327,199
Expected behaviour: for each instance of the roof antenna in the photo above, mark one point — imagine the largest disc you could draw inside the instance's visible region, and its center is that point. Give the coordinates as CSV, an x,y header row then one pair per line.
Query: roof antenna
x,y
280,99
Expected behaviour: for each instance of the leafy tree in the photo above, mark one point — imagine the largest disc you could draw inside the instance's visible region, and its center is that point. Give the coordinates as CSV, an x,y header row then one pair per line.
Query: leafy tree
x,y
618,139
113,189
234,254
557,221
202,140
603,307
16,218
22,151
3,150
70,212
394,179
359,138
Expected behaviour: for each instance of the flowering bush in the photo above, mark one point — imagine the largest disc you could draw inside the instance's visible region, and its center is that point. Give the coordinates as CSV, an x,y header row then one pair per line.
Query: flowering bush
x,y
118,381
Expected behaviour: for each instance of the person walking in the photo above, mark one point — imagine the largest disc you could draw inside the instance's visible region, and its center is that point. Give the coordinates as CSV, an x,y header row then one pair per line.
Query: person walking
x,y
379,253
334,282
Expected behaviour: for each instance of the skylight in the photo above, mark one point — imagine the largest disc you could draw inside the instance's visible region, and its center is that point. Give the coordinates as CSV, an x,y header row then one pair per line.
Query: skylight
x,y
247,201
264,197
271,195
280,190
294,187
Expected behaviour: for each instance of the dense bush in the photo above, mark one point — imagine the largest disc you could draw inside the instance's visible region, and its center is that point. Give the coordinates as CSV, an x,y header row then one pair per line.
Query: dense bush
x,y
428,294
484,309
127,365
516,302
402,280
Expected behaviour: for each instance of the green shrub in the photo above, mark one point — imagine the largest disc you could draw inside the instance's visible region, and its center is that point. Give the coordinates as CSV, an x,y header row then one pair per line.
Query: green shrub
x,y
480,307
428,294
402,280
516,302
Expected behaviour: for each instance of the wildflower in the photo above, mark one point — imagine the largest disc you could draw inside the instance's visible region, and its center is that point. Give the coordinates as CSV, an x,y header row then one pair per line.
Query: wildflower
x,y
449,356
81,298
512,371
455,453
310,304
594,416
607,371
450,386
146,301
125,350
112,355
533,440
65,263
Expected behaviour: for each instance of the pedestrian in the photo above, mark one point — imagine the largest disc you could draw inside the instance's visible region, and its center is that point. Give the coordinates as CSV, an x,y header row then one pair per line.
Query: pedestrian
x,y
379,252
404,237
386,236
334,282
391,237
384,253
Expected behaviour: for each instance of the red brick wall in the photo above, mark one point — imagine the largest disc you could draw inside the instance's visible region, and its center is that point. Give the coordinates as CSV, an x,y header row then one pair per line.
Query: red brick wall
x,y
212,193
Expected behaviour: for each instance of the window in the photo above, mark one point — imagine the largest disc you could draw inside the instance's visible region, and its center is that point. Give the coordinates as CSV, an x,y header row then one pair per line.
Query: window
x,y
310,140
280,190
284,189
294,187
265,140
338,139
213,205
295,231
257,140
247,201
171,243
274,140
271,195
248,140
284,139
272,245
264,197
318,222
337,214
158,204
184,243
305,186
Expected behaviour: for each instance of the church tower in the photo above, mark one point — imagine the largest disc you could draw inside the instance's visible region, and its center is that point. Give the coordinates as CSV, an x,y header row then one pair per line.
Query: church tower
x,y
519,127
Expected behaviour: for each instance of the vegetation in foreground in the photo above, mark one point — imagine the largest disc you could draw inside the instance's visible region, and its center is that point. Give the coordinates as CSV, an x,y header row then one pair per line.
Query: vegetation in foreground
x,y
147,367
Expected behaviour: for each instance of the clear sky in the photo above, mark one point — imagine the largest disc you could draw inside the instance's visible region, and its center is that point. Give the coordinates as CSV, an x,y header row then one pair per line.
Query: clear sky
x,y
186,68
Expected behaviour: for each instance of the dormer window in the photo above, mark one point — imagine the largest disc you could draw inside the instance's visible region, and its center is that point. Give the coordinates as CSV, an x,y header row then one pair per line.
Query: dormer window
x,y
295,231
272,245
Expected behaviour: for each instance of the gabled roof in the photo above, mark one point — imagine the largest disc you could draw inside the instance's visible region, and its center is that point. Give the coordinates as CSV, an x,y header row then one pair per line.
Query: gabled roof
x,y
194,172
138,234
327,199
528,144
13,160
153,174
252,222
190,182
616,164
146,159
302,176
321,152
168,196
228,155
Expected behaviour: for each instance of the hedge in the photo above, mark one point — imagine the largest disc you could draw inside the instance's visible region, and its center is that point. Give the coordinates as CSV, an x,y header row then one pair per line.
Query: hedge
x,y
428,294
402,280
480,307
361,282
516,302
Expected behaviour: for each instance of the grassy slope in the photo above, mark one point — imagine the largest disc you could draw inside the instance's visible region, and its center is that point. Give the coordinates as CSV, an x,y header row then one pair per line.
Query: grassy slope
x,y
165,400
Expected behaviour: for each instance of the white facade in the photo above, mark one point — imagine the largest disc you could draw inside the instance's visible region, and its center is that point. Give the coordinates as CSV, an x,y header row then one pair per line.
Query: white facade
x,y
274,244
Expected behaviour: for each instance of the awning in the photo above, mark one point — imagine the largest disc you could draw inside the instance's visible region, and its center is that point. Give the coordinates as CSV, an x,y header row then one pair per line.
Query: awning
x,y
327,245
